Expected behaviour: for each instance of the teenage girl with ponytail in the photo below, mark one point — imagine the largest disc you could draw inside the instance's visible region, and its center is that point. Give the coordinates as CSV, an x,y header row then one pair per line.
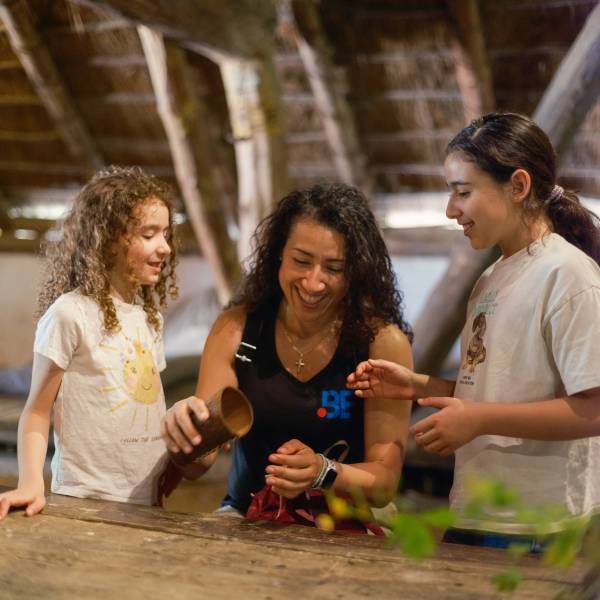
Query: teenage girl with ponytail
x,y
525,408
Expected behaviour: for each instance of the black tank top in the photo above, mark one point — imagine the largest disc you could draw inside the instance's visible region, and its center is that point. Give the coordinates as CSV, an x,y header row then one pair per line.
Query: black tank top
x,y
322,413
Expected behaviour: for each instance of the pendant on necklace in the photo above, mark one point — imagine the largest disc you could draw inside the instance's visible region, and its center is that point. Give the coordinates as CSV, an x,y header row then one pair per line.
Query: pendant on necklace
x,y
300,364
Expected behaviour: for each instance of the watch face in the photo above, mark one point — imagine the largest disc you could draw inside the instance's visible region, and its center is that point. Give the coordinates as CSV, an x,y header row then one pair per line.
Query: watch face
x,y
330,476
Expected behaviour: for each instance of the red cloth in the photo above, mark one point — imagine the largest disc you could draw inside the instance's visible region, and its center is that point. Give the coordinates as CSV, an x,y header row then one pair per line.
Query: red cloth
x,y
304,509
168,480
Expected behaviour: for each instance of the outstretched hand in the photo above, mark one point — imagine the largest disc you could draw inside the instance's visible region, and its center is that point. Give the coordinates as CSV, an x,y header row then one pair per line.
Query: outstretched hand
x,y
453,426
32,498
377,378
292,469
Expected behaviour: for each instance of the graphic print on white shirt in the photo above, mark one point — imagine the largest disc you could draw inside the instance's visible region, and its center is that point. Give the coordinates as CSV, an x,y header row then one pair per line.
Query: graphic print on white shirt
x,y
140,388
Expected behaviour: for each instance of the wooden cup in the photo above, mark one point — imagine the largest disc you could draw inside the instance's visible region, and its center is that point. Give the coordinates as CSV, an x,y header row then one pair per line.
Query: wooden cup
x,y
231,416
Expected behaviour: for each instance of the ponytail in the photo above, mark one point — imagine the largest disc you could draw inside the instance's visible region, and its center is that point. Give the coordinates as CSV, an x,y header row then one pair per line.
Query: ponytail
x,y
573,221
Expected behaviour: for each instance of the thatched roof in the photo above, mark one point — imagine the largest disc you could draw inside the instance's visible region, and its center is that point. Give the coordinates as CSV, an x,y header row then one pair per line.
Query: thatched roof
x,y
237,101
401,68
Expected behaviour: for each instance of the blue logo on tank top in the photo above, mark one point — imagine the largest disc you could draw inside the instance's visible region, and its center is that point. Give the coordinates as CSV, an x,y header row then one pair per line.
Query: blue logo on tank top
x,y
335,404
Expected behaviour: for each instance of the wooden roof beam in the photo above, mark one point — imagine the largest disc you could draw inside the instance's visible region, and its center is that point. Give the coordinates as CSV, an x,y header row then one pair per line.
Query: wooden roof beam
x,y
254,102
35,57
473,70
215,28
575,87
305,23
572,92
183,116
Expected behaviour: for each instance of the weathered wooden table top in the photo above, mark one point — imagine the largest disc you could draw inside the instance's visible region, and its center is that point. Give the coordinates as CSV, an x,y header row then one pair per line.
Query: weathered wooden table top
x,y
95,549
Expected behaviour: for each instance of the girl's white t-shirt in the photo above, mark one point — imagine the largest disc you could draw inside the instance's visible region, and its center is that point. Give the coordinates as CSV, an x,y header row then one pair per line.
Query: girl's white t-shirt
x,y
532,333
110,403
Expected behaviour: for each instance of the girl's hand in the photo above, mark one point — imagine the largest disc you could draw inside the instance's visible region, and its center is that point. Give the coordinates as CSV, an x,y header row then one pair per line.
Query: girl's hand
x,y
177,429
382,379
32,497
445,431
293,469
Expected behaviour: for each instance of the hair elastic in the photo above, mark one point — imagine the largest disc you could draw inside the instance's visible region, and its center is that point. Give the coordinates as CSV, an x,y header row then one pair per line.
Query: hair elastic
x,y
555,194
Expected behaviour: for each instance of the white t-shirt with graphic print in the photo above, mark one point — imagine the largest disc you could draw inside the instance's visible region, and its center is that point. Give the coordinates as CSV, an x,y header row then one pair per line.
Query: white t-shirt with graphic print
x,y
110,403
532,333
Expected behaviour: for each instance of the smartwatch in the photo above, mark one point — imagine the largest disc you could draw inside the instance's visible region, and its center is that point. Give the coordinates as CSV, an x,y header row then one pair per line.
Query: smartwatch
x,y
329,475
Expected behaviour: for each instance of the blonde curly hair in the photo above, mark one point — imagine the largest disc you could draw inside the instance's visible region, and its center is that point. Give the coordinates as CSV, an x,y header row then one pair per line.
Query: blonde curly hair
x,y
103,213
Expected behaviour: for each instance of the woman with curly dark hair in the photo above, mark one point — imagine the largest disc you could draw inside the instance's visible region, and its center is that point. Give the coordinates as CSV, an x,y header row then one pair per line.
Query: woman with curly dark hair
x,y
320,295
98,347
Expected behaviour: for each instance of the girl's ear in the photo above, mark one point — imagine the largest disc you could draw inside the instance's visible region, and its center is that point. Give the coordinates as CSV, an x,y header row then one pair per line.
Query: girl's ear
x,y
521,185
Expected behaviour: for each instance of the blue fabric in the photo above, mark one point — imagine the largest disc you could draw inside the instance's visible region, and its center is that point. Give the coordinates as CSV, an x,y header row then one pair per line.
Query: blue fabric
x,y
494,540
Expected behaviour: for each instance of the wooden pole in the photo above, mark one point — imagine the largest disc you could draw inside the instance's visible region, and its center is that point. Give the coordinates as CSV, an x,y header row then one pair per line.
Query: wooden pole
x,y
575,87
183,118
253,99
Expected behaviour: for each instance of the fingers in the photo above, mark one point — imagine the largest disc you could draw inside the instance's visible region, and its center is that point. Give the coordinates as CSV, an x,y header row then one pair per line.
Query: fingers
x,y
286,488
291,475
36,506
380,363
177,427
291,447
359,371
4,507
427,437
436,402
295,461
33,503
422,426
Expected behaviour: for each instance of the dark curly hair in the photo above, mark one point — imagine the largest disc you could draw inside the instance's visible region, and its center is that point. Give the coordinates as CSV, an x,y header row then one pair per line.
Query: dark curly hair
x,y
372,298
103,212
501,143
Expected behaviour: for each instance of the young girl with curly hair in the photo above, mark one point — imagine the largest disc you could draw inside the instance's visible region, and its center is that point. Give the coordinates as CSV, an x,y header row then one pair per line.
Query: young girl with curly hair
x,y
98,348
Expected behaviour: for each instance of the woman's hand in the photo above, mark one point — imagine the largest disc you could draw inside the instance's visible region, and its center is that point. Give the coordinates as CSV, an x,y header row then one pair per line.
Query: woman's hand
x,y
293,469
376,378
453,426
30,496
177,428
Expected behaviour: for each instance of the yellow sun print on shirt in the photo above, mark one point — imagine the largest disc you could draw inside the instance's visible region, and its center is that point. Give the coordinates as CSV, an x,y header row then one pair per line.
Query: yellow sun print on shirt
x,y
141,379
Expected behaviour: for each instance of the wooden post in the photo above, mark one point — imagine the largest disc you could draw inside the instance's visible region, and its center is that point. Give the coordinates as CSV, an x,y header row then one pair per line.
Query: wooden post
x,y
48,83
575,87
253,99
183,117
331,103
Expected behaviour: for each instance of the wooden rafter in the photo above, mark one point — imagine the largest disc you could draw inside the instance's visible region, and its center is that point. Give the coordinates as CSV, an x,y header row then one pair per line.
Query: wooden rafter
x,y
35,58
472,65
216,28
183,117
575,87
331,103
576,82
253,98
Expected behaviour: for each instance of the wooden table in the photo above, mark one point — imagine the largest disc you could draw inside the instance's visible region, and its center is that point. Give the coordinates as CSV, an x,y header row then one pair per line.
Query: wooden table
x,y
95,549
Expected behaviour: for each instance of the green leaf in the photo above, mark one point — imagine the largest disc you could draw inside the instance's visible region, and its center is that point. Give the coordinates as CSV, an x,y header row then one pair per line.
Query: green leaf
x,y
518,549
411,534
508,580
439,518
563,548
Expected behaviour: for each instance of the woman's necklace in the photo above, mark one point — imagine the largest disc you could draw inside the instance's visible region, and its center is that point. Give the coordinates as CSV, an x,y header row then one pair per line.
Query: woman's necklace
x,y
300,363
